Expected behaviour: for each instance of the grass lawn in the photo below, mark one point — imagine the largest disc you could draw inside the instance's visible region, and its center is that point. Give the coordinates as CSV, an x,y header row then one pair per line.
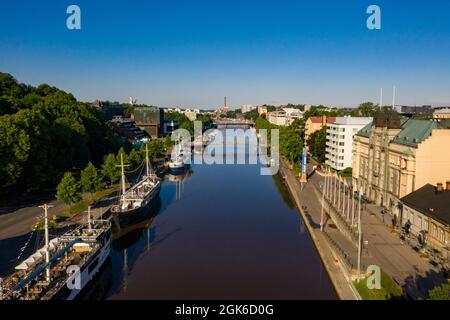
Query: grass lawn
x,y
87,201
389,289
81,206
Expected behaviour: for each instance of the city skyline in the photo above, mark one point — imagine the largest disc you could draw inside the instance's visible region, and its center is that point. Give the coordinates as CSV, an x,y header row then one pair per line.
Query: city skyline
x,y
192,55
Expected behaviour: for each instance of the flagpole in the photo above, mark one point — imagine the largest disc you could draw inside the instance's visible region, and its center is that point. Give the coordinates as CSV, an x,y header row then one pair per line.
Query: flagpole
x,y
327,181
339,194
343,197
335,190
353,207
359,236
349,203
323,199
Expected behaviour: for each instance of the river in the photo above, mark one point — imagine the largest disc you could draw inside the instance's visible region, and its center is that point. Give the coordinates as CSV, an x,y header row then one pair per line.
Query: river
x,y
219,232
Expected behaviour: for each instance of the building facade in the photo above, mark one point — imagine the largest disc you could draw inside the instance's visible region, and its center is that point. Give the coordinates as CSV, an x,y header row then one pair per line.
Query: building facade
x,y
150,119
314,124
394,156
247,108
426,212
442,113
282,118
339,144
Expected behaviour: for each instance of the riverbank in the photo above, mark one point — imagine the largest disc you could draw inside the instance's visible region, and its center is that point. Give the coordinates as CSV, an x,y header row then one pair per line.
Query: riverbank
x,y
336,271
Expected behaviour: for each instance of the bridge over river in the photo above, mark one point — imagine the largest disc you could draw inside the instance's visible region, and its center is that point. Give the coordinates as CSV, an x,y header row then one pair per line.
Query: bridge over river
x,y
233,122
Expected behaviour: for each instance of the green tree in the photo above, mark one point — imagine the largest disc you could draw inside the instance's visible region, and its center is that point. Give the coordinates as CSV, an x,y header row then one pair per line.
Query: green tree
x,y
90,180
136,158
441,292
68,190
317,144
110,169
366,109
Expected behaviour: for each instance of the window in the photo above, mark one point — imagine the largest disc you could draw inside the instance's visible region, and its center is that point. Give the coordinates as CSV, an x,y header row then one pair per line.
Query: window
x,y
419,222
425,225
441,235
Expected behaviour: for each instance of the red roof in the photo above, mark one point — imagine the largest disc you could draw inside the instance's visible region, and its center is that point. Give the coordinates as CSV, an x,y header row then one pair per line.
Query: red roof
x,y
318,119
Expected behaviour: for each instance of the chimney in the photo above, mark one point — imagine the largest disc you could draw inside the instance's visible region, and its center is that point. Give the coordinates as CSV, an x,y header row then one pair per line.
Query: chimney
x,y
447,186
439,187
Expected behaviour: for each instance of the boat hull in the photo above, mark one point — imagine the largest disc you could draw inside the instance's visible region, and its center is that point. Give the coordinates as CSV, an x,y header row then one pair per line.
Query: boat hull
x,y
129,217
87,273
175,170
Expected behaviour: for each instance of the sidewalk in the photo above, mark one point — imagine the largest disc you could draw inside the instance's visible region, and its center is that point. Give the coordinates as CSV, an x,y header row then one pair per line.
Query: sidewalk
x,y
308,209
383,247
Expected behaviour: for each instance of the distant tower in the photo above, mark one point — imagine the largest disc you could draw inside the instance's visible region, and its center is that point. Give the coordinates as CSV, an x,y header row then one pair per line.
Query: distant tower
x,y
131,101
225,107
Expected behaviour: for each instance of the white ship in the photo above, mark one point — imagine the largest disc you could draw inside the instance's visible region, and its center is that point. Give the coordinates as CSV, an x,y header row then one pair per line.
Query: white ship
x,y
140,194
63,267
176,163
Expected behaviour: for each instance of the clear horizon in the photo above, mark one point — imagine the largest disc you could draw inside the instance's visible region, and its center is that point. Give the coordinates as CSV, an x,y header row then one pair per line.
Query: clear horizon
x,y
191,55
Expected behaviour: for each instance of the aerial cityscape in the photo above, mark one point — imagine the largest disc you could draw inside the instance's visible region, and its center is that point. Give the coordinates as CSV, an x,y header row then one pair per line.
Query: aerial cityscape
x,y
246,151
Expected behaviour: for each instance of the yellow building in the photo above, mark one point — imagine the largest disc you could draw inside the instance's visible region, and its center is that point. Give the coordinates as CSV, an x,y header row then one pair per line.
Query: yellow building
x,y
442,113
426,212
313,124
394,156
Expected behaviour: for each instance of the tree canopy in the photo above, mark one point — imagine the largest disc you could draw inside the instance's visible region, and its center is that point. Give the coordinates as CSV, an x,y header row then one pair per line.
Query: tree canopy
x,y
45,132
68,190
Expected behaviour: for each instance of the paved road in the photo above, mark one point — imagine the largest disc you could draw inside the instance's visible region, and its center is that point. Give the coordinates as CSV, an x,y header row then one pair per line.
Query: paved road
x,y
21,221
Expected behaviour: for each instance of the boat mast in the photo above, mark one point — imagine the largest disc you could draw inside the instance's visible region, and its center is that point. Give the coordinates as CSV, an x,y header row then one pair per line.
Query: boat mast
x,y
47,252
89,219
123,173
146,160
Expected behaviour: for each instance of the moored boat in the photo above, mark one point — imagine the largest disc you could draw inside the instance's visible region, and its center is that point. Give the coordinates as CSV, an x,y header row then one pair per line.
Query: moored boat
x,y
141,194
63,267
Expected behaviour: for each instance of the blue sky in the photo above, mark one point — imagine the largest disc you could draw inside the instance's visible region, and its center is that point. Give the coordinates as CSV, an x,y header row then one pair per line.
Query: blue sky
x,y
192,53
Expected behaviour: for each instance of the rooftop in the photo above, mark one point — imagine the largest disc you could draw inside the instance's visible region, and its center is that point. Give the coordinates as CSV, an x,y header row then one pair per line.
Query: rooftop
x,y
430,202
352,120
318,119
412,131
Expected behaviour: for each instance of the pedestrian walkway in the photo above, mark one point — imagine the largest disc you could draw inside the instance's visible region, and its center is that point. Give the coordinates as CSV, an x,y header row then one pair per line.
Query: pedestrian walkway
x,y
330,258
382,246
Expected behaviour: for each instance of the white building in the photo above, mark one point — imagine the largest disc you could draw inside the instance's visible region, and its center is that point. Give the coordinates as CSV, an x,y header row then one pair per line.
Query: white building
x,y
339,145
282,118
247,108
190,114
293,112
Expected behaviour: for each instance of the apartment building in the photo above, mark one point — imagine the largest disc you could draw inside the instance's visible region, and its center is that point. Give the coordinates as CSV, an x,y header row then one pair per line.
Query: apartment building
x,y
339,143
394,156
